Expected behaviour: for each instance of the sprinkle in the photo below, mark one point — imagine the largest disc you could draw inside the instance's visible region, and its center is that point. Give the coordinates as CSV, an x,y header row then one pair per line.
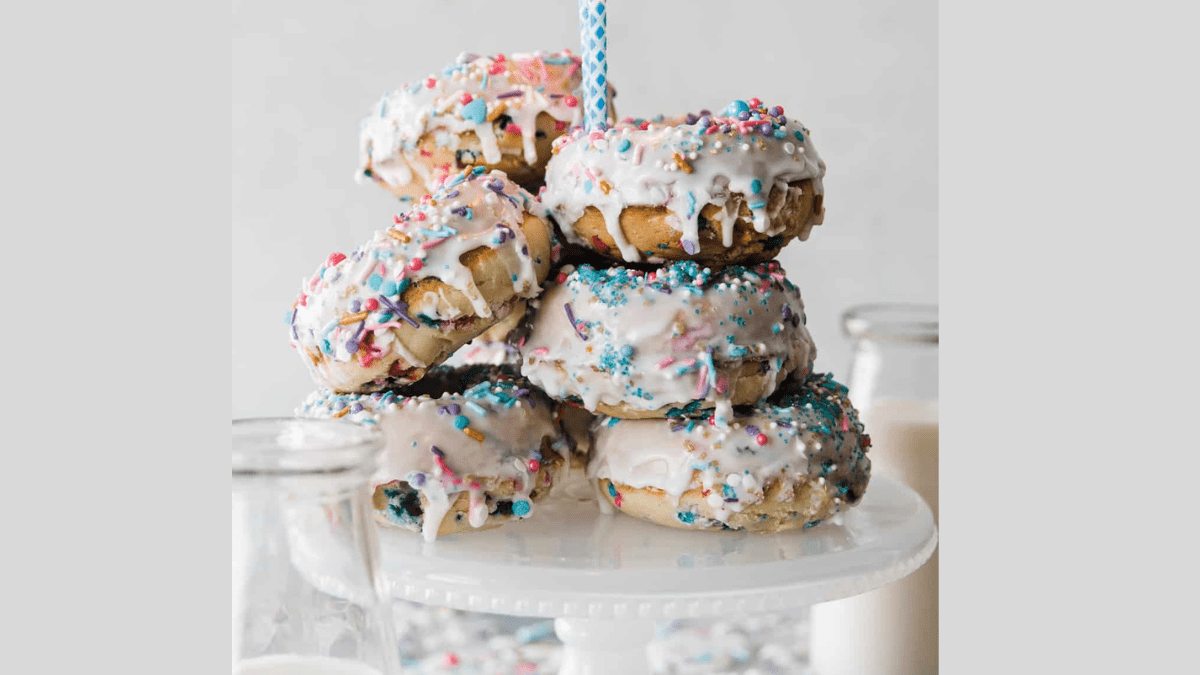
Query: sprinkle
x,y
342,413
398,236
474,111
415,264
477,408
690,247
400,309
474,434
335,258
496,112
666,362
437,451
541,351
461,422
570,101
681,162
756,186
534,465
453,408
623,145
761,439
520,508
599,244
574,324
509,94
353,318
752,430
605,187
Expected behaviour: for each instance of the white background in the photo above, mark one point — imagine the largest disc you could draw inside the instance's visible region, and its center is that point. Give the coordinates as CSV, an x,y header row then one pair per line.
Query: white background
x,y
861,74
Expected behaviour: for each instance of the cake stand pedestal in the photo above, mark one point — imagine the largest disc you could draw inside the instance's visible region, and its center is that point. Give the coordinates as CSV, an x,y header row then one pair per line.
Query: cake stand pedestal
x,y
606,579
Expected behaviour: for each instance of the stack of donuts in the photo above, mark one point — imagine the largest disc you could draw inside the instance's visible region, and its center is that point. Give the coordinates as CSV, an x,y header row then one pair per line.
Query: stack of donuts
x,y
629,320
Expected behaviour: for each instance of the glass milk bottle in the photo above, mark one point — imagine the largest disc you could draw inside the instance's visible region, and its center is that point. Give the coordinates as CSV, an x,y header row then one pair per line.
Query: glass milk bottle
x,y
308,596
894,383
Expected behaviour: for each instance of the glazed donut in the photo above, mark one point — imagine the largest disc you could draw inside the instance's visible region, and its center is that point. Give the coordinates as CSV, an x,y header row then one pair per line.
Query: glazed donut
x,y
449,269
466,449
786,463
499,112
678,340
717,189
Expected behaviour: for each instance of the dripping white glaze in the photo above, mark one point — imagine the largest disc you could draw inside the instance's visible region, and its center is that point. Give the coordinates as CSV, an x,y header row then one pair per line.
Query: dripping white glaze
x,y
352,296
512,431
667,339
683,167
521,85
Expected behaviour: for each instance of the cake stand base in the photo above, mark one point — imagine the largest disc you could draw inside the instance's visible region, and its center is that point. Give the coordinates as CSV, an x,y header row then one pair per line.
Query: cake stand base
x,y
606,579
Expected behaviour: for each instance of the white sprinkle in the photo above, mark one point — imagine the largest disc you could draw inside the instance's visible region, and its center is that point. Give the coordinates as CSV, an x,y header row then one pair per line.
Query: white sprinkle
x,y
745,146
789,148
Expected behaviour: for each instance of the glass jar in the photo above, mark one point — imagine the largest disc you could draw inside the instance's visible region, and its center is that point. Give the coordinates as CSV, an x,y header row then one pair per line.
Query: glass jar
x,y
893,382
308,596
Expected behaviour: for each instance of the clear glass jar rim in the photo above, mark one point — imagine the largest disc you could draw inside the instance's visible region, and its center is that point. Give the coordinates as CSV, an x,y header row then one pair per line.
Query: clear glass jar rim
x,y
294,446
898,322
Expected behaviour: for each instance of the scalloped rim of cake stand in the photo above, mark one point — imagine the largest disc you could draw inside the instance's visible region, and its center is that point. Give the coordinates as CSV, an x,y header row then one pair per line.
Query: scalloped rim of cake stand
x,y
573,561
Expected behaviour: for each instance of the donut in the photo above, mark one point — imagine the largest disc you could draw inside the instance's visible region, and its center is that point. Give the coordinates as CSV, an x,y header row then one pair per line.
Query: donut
x,y
678,340
500,112
466,449
453,266
734,187
785,463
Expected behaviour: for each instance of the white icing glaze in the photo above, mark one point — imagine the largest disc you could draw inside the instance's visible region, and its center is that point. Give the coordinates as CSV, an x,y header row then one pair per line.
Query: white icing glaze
x,y
512,433
682,167
470,211
525,85
803,440
649,348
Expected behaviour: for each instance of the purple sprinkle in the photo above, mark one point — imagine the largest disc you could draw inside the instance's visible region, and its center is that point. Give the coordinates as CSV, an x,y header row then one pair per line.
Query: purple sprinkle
x,y
399,309
690,119
453,409
752,430
357,408
459,211
679,427
787,311
495,186
352,346
355,305
706,113
556,95
509,94
705,121
521,392
418,479
358,332
731,499
524,250
689,246
571,318
437,451
441,410
339,405
452,194
782,120
744,115
785,425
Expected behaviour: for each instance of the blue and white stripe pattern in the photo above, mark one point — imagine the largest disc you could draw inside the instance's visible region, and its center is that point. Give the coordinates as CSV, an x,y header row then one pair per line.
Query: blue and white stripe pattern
x,y
593,36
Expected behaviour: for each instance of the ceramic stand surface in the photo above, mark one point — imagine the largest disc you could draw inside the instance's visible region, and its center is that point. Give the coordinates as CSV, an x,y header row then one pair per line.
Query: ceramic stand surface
x,y
606,579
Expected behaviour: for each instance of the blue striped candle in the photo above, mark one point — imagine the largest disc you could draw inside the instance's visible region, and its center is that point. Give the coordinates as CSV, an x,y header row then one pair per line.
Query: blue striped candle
x,y
593,38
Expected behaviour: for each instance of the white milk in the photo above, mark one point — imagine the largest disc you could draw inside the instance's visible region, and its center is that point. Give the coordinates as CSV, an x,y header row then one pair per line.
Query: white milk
x,y
288,664
892,630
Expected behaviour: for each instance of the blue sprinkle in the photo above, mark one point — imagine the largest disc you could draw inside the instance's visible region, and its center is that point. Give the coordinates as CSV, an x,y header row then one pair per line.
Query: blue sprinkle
x,y
799,136
686,517
623,145
461,422
520,508
375,281
587,187
691,204
758,205
727,492
756,186
477,408
475,111
388,288
612,490
736,107
326,346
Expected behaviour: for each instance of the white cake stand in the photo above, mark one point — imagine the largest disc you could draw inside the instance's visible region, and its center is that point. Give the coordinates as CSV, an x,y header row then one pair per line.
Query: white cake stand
x,y
605,579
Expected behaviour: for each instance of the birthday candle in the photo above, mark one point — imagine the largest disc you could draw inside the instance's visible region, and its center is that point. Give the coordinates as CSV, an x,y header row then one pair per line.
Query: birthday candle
x,y
593,36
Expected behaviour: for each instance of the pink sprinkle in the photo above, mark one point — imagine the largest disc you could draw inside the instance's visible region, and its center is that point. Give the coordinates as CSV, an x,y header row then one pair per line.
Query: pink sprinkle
x,y
637,155
845,423
512,129
596,135
541,351
436,242
666,362
722,384
702,383
688,363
